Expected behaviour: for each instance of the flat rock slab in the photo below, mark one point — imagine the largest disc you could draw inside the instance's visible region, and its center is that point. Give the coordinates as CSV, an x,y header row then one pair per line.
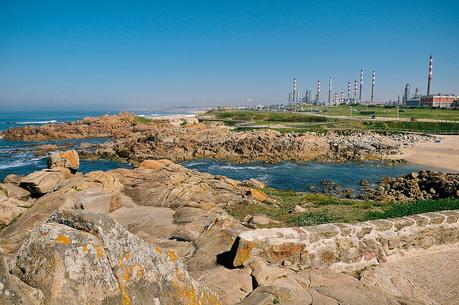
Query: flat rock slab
x,y
431,276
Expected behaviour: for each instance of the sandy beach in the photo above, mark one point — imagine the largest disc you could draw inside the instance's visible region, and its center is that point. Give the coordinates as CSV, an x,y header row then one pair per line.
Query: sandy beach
x,y
442,155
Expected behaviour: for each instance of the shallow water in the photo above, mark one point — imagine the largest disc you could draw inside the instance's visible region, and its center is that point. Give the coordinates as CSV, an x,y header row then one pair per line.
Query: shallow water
x,y
298,176
17,157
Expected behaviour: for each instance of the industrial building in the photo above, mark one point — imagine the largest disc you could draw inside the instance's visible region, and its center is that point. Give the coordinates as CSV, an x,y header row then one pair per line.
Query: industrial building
x,y
438,101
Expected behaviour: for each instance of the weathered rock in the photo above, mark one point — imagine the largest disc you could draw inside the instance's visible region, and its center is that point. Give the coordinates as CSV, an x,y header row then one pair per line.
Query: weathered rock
x,y
260,220
13,179
95,200
42,182
67,159
258,195
9,211
13,291
214,244
254,183
299,209
14,191
90,259
231,285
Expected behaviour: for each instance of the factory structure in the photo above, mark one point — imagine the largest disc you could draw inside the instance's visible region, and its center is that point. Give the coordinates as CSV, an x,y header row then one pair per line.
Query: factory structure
x,y
428,100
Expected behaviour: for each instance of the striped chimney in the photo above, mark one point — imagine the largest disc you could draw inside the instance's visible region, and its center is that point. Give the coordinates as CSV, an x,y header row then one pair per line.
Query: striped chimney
x,y
318,92
429,79
348,90
361,86
373,79
330,81
355,91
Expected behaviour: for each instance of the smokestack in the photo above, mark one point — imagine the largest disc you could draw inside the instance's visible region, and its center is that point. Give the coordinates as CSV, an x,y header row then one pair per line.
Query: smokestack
x,y
373,78
329,89
355,91
361,85
294,90
341,97
318,92
429,79
348,91
336,98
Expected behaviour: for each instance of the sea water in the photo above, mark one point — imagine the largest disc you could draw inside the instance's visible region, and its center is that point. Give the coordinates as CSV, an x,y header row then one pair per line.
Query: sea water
x,y
299,176
18,157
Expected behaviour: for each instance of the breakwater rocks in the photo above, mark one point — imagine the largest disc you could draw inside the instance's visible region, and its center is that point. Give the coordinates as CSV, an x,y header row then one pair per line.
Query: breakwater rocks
x,y
422,185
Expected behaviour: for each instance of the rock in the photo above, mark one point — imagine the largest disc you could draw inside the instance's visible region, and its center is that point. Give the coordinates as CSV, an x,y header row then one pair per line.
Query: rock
x,y
260,220
13,179
67,159
9,211
214,245
258,195
81,257
96,200
152,224
151,164
42,182
14,191
363,182
110,181
264,274
231,285
44,149
13,291
254,183
299,209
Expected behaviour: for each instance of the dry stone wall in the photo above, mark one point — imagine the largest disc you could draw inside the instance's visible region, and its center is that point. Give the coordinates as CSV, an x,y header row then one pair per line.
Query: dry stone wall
x,y
347,247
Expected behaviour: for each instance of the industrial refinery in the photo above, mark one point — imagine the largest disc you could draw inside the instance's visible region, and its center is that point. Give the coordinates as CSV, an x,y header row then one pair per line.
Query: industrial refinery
x,y
337,97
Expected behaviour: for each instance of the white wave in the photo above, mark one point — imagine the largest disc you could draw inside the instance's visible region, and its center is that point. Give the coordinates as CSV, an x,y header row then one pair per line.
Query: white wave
x,y
192,164
238,167
36,122
17,163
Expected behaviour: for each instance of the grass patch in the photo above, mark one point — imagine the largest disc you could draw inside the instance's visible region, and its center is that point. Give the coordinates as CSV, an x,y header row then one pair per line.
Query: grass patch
x,y
267,116
416,207
321,208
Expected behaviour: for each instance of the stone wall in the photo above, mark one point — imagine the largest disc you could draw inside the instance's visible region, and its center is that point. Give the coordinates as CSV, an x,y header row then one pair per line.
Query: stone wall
x,y
347,247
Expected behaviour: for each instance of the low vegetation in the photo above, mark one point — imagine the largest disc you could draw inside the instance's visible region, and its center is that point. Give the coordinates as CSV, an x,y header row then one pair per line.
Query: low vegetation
x,y
321,208
306,122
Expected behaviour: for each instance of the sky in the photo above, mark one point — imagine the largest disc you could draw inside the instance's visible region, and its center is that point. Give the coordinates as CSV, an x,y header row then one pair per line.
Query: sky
x,y
139,55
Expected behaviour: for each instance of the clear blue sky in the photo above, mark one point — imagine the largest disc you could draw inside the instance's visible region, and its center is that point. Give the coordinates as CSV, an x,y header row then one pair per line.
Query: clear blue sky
x,y
154,54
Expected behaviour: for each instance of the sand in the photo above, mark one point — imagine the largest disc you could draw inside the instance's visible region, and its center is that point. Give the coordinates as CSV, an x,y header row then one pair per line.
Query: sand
x,y
444,155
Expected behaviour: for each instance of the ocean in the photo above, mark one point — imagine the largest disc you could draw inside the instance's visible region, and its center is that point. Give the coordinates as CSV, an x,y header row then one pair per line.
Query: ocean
x,y
17,157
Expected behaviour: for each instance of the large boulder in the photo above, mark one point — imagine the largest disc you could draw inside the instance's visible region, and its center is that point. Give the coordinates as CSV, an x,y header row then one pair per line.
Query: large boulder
x,y
14,191
81,257
68,159
13,291
42,182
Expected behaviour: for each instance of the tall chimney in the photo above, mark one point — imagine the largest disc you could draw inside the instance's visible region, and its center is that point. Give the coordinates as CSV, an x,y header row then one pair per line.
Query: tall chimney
x,y
361,85
330,81
294,90
429,79
348,91
318,92
341,97
355,91
336,98
373,78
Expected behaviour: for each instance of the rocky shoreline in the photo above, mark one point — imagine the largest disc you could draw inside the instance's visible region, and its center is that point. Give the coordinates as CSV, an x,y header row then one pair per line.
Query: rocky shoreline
x,y
161,232
136,140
